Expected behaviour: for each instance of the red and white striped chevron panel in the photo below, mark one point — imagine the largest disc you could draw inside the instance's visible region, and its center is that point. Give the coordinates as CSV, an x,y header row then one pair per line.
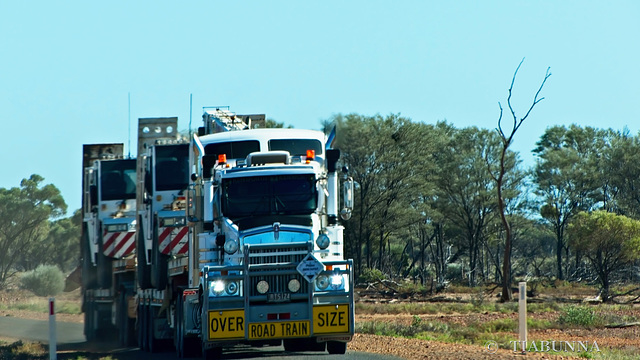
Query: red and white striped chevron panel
x,y
118,244
173,240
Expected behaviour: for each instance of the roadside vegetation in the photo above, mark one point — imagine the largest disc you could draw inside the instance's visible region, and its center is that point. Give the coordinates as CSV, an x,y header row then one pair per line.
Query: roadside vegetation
x,y
19,350
476,320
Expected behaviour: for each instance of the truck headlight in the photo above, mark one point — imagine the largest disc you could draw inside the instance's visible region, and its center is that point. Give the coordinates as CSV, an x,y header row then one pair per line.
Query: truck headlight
x,y
322,282
230,246
217,287
336,282
231,288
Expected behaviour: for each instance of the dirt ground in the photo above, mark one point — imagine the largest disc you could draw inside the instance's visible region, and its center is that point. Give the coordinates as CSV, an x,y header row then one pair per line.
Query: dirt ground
x,y
626,339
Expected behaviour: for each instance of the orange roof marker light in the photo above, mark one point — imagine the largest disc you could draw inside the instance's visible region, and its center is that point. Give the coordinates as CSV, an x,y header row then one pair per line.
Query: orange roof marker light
x,y
311,155
222,159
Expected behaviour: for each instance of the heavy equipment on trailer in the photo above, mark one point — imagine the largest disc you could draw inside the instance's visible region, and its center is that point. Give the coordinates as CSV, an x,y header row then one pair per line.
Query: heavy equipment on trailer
x,y
266,264
108,241
162,246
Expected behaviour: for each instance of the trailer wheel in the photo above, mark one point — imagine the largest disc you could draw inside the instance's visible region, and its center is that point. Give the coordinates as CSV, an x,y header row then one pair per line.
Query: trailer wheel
x,y
336,347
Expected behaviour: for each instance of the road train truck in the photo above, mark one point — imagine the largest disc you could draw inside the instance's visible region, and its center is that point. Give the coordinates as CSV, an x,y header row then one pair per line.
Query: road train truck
x,y
266,266
237,239
162,242
108,241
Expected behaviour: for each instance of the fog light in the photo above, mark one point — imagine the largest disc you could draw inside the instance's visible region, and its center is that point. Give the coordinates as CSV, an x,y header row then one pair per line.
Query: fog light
x,y
294,285
262,287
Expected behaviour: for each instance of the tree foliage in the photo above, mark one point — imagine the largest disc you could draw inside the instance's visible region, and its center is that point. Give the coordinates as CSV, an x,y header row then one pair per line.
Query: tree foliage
x,y
611,242
24,220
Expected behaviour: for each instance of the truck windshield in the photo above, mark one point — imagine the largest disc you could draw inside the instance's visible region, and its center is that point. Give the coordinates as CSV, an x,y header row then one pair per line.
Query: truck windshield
x,y
118,179
172,167
233,149
269,195
296,147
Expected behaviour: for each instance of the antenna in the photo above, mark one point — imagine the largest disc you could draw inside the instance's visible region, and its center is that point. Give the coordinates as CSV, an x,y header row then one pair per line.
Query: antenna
x,y
190,112
129,144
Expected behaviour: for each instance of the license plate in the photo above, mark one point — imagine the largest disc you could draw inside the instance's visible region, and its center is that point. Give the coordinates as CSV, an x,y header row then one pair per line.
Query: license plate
x,y
279,297
279,330
226,324
331,319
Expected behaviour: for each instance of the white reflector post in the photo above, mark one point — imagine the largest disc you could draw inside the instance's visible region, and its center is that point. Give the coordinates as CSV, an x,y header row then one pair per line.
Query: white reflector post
x,y
522,307
52,330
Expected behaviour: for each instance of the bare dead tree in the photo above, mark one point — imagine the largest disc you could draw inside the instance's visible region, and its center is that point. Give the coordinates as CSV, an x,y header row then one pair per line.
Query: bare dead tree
x,y
499,178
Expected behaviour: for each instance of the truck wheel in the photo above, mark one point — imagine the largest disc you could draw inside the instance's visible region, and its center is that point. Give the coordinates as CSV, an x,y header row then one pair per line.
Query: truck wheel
x,y
159,262
105,267
89,327
143,271
126,325
336,347
178,340
152,342
89,277
142,327
211,354
186,347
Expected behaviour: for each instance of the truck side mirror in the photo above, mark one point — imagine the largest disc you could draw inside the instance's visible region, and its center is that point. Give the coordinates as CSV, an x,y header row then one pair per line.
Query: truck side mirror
x,y
93,195
191,207
347,198
208,162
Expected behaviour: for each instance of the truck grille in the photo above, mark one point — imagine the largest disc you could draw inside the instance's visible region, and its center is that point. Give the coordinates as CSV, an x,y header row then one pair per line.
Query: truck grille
x,y
277,266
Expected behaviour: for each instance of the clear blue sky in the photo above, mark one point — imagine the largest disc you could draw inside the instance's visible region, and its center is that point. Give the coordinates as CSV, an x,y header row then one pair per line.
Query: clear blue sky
x,y
66,68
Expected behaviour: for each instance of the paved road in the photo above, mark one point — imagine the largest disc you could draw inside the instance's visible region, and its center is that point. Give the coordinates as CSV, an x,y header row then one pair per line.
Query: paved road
x,y
38,330
71,340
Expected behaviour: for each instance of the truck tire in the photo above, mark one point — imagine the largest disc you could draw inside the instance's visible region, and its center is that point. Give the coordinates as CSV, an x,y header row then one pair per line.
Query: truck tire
x,y
105,267
212,353
142,327
159,262
89,321
126,325
143,271
186,347
336,347
89,276
153,344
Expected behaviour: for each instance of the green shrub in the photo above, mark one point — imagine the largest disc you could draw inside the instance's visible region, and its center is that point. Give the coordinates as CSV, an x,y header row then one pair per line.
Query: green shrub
x,y
45,280
578,316
371,275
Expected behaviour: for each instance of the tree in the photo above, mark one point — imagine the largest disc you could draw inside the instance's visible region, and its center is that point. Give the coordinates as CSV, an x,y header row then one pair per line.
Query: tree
x,y
387,157
621,169
568,178
499,177
610,242
464,190
24,218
